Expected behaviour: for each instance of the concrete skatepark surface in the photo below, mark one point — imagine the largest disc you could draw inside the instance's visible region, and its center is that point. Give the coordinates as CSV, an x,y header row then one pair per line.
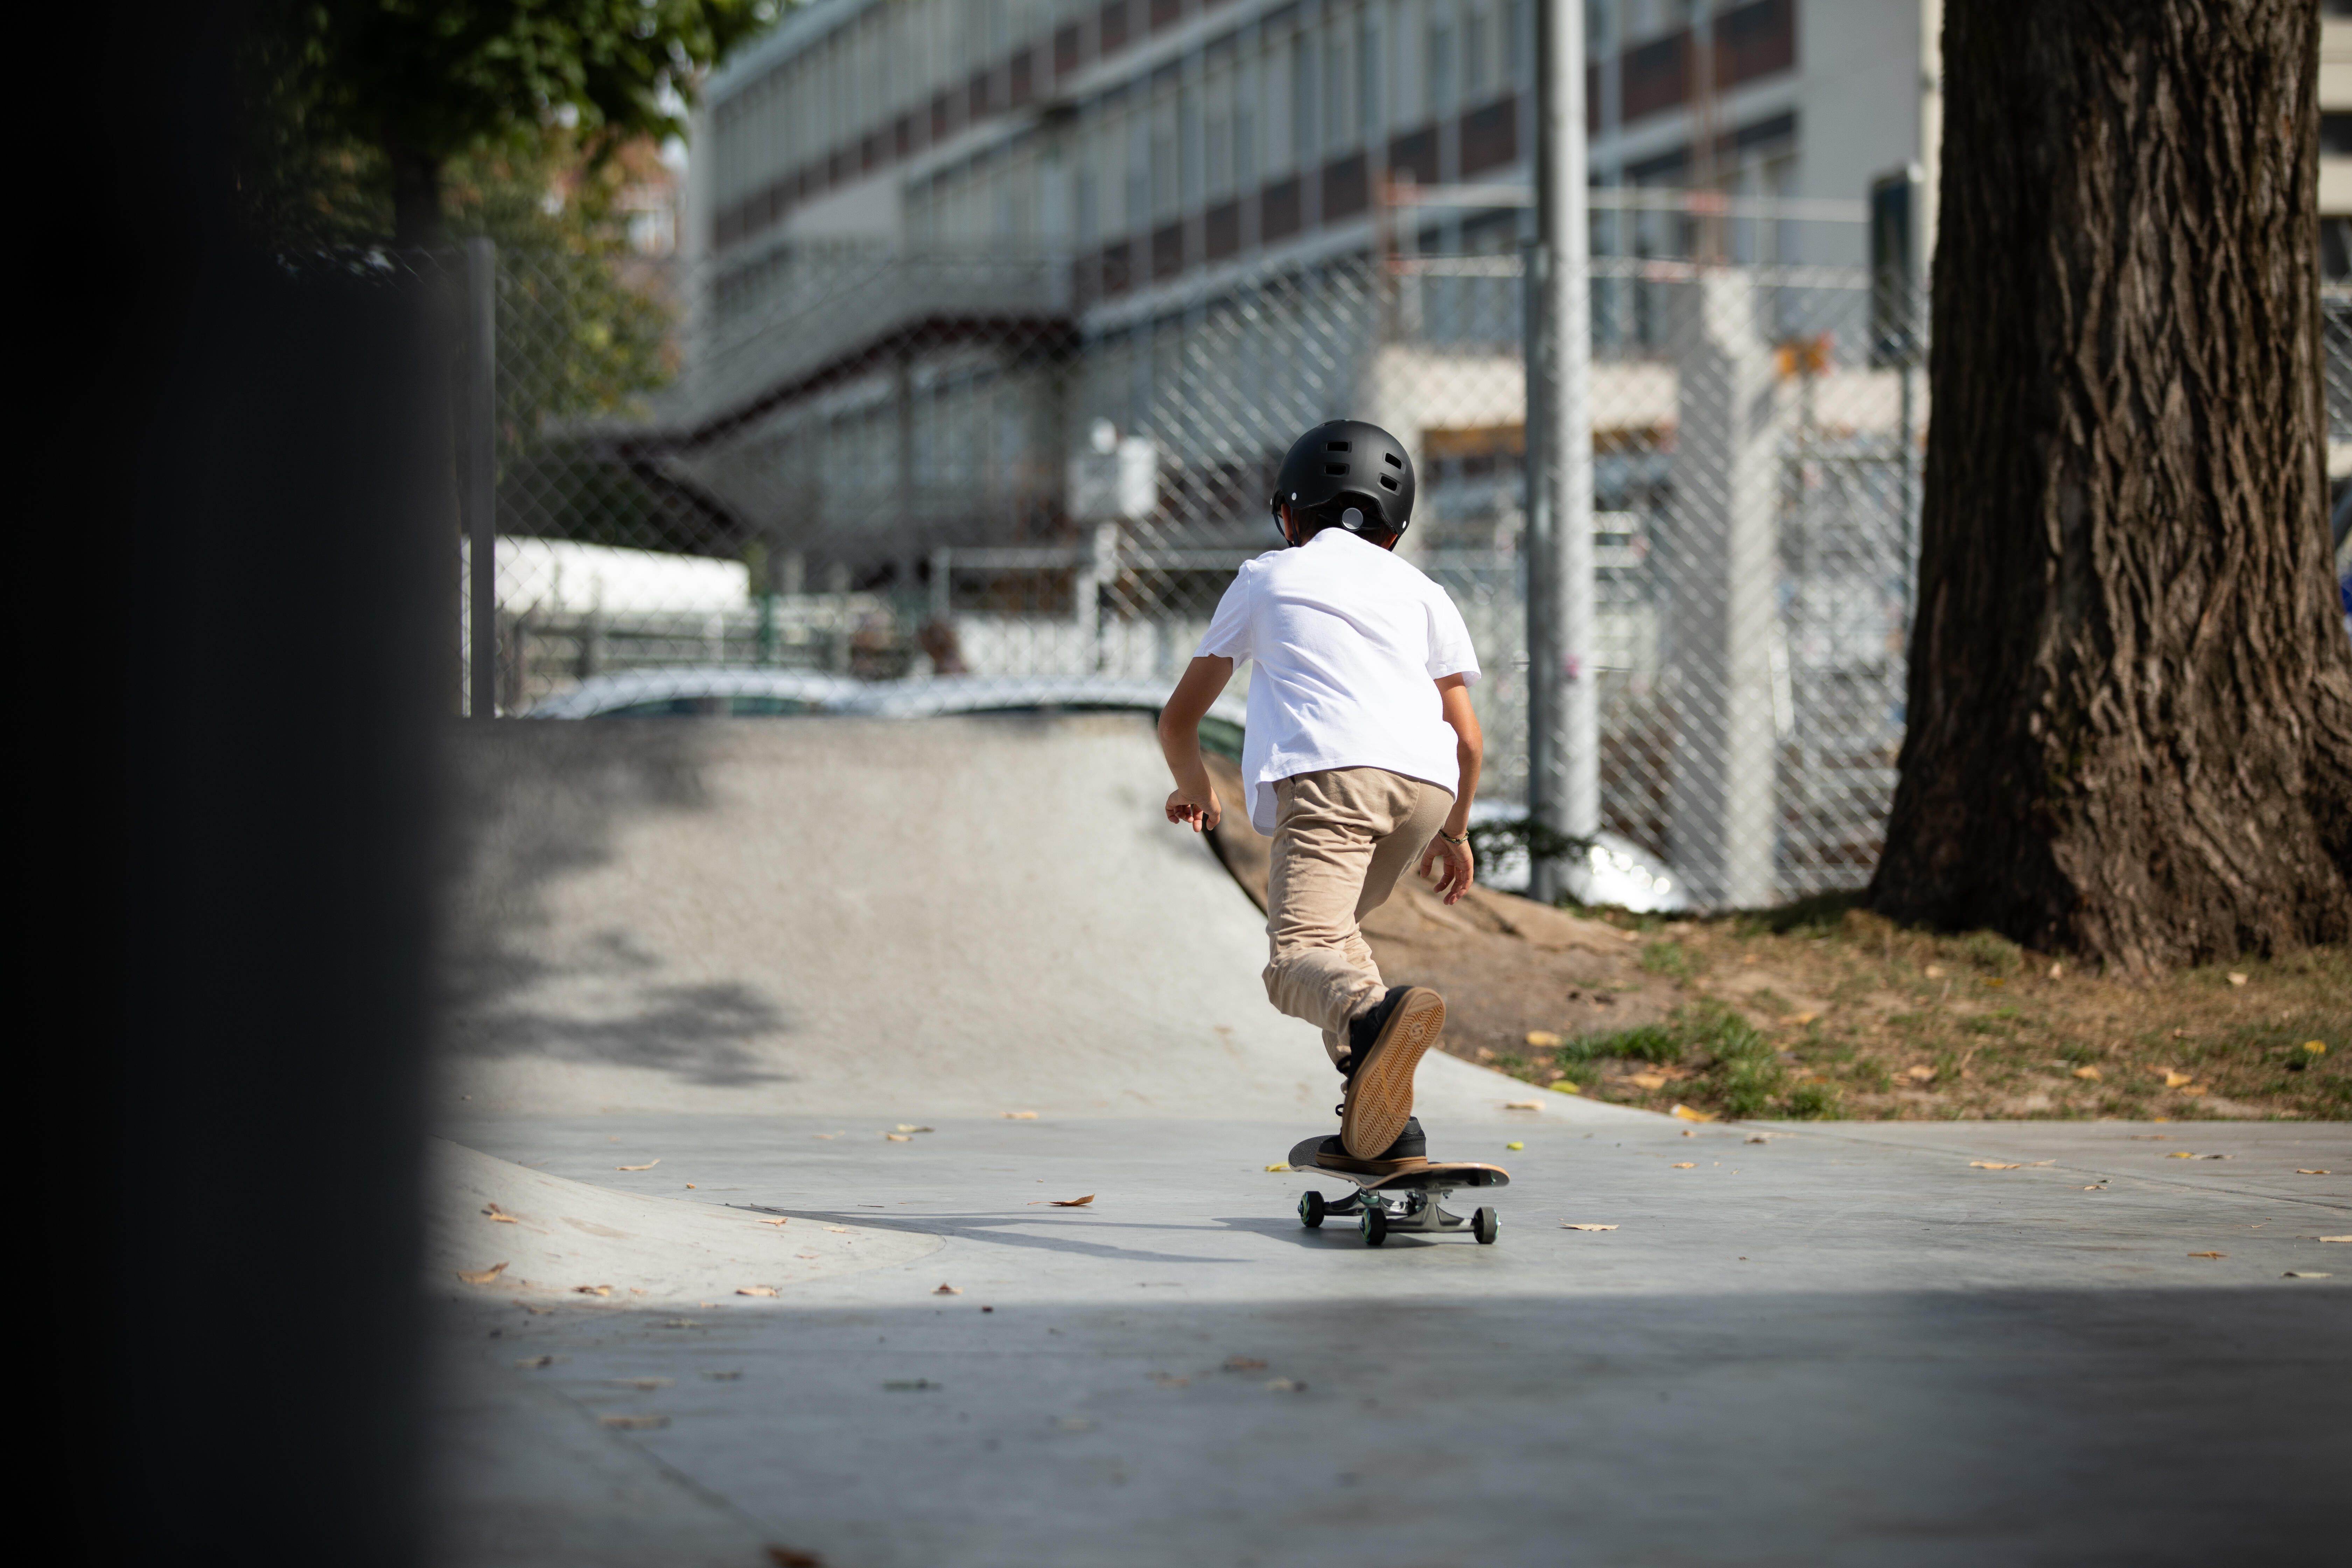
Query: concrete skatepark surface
x,y
752,952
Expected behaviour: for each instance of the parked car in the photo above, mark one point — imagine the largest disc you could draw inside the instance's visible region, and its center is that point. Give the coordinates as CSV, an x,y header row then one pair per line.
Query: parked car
x,y
783,693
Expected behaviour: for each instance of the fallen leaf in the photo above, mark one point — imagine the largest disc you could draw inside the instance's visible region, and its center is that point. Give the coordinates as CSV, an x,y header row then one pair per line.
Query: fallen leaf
x,y
1647,1080
2299,1173
1562,1085
2315,1048
1686,1165
1283,1386
592,1290
1685,1114
2088,1075
481,1276
681,1323
2175,1080
635,1422
1761,1138
2335,1238
1993,1165
1542,1039
948,1291
755,1290
1244,1364
1690,1132
635,1291
1168,1380
910,1127
500,1216
1922,1073
2304,1274
1523,1105
645,1167
811,1256
2099,1187
1569,1225
775,1222
2217,1156
1514,1145
689,1186
2056,970
1020,1116
1072,1202
1799,1020
2209,1255
839,1229
1630,935
1935,972
1277,1167
536,1360
2181,1154
640,1383
2236,978
1995,980
899,1137
2194,1089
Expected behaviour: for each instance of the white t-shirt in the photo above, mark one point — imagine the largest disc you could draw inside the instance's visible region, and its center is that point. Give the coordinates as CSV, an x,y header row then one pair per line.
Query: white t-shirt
x,y
1348,640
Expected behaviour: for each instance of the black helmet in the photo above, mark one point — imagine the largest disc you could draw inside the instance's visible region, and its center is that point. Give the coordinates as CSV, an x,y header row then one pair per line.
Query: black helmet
x,y
1350,473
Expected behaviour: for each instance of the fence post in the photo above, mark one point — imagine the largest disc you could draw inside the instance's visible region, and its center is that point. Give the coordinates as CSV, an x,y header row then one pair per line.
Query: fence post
x,y
1563,706
481,474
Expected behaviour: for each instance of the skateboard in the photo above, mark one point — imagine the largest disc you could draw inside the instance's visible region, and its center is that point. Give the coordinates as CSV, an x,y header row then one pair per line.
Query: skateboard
x,y
1404,1201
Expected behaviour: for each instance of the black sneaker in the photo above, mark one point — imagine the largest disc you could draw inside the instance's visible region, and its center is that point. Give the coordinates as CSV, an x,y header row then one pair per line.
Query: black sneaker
x,y
1411,1149
1384,1049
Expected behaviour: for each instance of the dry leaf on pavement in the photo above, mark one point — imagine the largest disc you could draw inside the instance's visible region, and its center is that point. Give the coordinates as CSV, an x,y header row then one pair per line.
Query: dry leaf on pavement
x,y
948,1291
1244,1364
1072,1202
1571,1225
2181,1154
2335,1238
1020,1116
775,1222
1168,1380
641,1383
755,1290
839,1229
910,1127
592,1290
2304,1274
1686,1165
899,1137
1283,1386
1685,1114
1277,1167
1523,1105
481,1276
530,1361
2209,1255
1993,1165
2304,1172
1515,1145
499,1215
647,1166
635,1422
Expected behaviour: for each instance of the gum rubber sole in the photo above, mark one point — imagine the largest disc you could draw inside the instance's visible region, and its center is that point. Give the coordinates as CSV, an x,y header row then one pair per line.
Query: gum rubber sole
x,y
1380,1096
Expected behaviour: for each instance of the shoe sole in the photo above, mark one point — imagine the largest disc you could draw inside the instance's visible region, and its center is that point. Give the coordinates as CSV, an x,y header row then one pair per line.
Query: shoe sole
x,y
1370,1167
1379,1095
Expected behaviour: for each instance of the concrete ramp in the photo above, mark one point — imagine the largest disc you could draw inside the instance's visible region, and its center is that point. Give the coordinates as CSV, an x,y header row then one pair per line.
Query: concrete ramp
x,y
938,917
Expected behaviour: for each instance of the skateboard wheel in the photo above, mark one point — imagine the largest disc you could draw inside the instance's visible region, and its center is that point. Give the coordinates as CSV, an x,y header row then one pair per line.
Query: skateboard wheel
x,y
1310,1210
1375,1225
1484,1224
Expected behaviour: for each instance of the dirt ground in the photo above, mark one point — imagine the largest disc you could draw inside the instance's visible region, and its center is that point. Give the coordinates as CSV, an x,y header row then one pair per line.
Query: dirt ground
x,y
1823,1009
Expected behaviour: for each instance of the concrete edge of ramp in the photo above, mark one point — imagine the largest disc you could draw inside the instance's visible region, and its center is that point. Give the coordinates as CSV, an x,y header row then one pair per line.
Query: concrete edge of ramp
x,y
560,1235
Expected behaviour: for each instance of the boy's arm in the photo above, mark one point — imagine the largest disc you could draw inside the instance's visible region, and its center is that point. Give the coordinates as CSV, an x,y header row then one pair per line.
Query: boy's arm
x,y
1194,801
1469,751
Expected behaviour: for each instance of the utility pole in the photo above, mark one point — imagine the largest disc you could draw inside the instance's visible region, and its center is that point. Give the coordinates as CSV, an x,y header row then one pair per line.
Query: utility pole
x,y
1563,703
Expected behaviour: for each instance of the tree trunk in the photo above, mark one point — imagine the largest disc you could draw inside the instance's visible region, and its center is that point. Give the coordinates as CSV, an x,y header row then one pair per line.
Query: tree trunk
x,y
2130,698
415,198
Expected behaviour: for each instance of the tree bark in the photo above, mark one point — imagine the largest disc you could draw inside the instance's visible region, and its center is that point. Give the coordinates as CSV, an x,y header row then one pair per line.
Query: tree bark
x,y
2130,704
416,221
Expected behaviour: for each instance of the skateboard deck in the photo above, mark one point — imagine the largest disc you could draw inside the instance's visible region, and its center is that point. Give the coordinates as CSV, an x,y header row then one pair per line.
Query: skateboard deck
x,y
1404,1200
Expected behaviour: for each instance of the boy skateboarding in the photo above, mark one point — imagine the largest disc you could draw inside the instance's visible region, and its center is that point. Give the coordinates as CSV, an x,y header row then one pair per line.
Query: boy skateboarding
x,y
1362,754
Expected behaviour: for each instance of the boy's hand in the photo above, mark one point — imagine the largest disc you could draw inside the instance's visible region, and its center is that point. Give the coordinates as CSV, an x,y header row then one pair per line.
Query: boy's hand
x,y
1198,816
1454,876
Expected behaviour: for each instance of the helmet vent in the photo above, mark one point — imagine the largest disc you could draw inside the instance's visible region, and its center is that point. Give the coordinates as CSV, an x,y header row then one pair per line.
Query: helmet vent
x,y
1335,445
1387,482
1335,468
1393,460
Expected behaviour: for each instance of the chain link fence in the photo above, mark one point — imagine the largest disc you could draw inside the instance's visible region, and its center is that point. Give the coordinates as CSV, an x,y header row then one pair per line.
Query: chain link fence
x,y
842,475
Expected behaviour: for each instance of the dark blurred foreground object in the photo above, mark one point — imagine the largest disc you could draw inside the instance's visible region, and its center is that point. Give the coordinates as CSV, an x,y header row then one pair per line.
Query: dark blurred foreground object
x,y
275,497
2130,707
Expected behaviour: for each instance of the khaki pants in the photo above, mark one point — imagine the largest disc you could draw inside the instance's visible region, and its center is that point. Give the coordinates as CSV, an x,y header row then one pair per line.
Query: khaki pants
x,y
1341,838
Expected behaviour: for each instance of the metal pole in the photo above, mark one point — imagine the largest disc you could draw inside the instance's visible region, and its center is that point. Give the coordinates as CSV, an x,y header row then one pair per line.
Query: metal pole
x,y
1563,706
481,473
